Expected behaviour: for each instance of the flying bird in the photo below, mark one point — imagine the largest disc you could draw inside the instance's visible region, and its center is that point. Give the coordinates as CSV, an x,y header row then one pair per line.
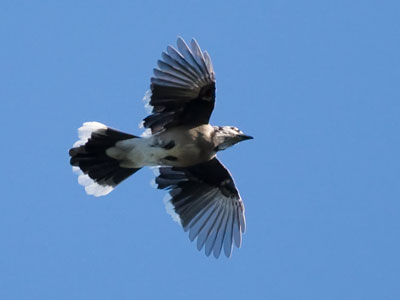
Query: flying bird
x,y
181,143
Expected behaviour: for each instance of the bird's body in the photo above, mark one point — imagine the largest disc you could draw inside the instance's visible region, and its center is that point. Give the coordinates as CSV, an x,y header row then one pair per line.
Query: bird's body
x,y
181,146
181,143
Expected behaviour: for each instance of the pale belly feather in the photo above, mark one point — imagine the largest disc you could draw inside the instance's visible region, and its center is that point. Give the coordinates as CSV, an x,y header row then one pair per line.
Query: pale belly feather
x,y
190,147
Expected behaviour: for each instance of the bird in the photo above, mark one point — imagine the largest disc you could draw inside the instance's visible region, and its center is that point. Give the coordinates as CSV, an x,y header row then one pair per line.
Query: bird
x,y
180,144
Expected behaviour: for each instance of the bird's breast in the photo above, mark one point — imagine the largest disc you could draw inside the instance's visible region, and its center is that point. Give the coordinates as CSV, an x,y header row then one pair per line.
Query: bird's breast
x,y
191,145
179,146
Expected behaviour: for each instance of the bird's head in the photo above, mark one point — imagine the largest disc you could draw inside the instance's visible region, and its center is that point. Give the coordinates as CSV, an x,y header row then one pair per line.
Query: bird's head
x,y
227,136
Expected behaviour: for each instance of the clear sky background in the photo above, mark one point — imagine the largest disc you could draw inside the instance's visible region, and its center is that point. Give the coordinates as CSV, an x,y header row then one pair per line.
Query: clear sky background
x,y
315,82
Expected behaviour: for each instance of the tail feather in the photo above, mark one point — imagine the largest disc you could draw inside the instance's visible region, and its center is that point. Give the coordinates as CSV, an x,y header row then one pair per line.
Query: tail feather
x,y
100,173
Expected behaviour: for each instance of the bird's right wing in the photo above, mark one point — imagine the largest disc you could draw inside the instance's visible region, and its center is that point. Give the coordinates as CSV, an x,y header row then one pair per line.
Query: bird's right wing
x,y
208,204
182,88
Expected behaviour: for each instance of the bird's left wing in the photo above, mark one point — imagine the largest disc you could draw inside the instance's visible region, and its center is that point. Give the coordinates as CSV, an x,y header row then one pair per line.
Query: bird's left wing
x,y
182,88
208,204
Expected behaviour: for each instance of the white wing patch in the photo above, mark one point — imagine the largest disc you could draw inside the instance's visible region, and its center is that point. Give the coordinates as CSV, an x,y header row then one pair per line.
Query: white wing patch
x,y
156,172
171,210
146,100
167,199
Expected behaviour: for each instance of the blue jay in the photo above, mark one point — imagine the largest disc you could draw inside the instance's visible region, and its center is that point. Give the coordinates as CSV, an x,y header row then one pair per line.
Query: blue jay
x,y
183,145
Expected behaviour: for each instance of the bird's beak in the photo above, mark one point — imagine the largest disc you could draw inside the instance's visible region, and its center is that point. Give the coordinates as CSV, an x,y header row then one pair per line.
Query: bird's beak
x,y
244,137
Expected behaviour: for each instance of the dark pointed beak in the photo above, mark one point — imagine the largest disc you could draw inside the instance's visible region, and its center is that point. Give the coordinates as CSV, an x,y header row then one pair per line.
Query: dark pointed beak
x,y
246,137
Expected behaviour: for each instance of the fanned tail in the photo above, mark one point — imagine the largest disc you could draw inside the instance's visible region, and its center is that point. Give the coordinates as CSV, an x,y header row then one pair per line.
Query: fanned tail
x,y
99,172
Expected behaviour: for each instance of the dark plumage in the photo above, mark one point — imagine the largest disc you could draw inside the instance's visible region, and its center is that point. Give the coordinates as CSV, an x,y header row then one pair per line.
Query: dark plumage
x,y
92,159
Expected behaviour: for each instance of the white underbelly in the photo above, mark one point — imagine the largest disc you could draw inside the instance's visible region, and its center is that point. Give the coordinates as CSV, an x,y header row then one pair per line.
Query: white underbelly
x,y
140,152
176,147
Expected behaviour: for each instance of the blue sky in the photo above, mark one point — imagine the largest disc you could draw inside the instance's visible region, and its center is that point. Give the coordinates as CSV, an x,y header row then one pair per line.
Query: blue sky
x,y
315,82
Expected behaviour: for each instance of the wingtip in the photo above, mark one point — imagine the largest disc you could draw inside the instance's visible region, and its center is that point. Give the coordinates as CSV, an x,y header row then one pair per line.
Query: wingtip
x,y
194,41
179,40
228,253
216,254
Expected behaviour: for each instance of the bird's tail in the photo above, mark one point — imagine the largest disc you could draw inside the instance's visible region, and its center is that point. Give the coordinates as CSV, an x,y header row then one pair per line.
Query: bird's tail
x,y
99,173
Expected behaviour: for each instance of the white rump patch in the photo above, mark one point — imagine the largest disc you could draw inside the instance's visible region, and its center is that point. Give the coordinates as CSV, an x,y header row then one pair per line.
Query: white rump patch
x,y
86,130
91,187
170,209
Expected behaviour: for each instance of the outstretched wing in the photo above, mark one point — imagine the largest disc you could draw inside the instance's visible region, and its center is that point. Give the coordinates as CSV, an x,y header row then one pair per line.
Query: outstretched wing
x,y
182,88
208,204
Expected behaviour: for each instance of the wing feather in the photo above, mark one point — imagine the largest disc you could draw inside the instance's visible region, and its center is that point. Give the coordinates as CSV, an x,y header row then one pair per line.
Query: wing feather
x,y
208,204
173,78
229,232
199,57
183,88
204,235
